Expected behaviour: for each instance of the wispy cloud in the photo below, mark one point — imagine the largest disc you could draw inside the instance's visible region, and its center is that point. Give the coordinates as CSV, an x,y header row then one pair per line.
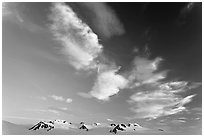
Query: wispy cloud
x,y
57,98
5,9
143,71
61,98
80,44
184,12
108,83
64,108
15,12
154,98
109,119
160,101
68,100
104,19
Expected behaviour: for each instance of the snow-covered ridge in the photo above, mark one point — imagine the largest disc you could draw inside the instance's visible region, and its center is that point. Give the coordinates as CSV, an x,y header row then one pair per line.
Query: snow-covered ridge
x,y
63,124
52,124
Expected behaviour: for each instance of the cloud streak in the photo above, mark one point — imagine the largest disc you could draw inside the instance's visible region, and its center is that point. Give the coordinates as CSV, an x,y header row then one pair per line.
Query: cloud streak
x,y
108,83
68,100
183,15
104,19
81,46
161,101
154,98
57,98
79,42
109,119
61,98
143,71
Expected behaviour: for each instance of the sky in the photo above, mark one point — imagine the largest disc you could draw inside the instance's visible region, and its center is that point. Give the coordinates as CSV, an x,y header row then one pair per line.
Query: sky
x,y
103,62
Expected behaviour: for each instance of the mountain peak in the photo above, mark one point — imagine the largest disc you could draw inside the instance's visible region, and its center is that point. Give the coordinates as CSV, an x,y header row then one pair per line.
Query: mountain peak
x,y
63,124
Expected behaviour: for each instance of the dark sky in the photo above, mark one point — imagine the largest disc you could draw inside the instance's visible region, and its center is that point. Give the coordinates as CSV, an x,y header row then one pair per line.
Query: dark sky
x,y
168,29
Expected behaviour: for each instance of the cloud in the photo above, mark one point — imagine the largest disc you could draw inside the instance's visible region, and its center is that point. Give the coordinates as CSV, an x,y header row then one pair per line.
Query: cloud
x,y
15,12
108,83
109,119
83,94
61,99
104,19
182,118
63,108
179,86
79,42
68,100
177,121
184,12
198,118
57,98
11,12
143,71
80,45
154,98
160,101
5,9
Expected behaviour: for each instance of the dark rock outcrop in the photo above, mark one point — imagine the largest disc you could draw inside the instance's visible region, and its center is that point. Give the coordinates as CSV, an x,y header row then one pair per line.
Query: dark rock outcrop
x,y
44,125
118,127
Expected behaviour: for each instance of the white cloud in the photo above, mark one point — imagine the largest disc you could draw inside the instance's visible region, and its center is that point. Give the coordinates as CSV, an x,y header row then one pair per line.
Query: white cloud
x,y
81,46
68,100
5,9
159,102
154,98
104,19
179,86
108,83
15,12
61,99
143,71
63,108
57,98
177,121
79,42
10,11
109,119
